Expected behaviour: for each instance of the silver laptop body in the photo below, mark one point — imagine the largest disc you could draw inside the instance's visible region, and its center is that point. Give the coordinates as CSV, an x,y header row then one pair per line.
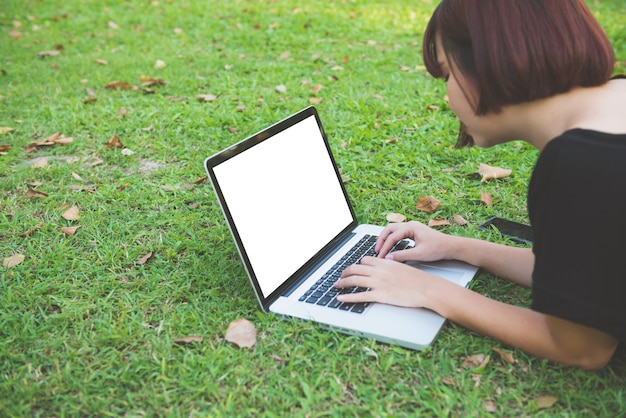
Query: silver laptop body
x,y
288,211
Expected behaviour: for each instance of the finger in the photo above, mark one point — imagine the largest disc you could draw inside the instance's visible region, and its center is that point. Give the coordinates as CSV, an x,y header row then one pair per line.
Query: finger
x,y
359,297
354,281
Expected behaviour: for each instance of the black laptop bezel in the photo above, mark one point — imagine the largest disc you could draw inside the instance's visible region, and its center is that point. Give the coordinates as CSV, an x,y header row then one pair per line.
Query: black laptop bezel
x,y
301,274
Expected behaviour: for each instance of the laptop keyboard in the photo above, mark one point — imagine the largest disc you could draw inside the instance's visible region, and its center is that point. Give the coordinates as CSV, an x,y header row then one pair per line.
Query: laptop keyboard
x,y
324,294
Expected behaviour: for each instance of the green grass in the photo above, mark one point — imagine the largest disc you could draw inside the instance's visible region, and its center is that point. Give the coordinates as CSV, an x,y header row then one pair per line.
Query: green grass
x,y
87,331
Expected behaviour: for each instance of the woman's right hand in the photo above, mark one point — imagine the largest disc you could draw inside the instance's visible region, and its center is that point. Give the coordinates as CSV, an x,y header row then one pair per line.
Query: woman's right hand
x,y
430,245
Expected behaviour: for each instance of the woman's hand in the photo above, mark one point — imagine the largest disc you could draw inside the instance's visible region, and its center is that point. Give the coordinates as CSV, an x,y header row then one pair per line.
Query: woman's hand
x,y
430,245
389,281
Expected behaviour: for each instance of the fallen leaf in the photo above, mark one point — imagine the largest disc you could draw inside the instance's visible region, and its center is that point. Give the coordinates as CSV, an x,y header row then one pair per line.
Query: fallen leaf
x,y
316,88
114,142
448,381
32,230
127,152
15,34
63,140
144,259
505,355
119,85
159,64
391,141
90,100
102,62
486,198
149,81
5,130
315,100
40,162
490,173
187,340
459,220
72,214
242,333
77,177
281,89
427,204
490,406
12,261
69,230
396,217
477,361
122,112
35,193
546,401
113,25
206,97
438,222
51,53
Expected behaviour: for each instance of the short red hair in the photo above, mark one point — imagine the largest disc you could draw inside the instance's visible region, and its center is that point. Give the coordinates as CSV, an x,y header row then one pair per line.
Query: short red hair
x,y
515,51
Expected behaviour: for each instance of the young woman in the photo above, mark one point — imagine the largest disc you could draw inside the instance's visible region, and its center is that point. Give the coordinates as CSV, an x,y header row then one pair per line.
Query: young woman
x,y
538,71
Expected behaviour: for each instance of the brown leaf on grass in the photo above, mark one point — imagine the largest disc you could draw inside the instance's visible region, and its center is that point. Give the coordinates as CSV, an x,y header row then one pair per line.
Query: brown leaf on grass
x,y
12,261
144,259
50,53
459,220
5,130
149,81
90,100
32,230
206,97
505,355
475,361
119,85
315,100
15,34
187,340
316,88
396,217
546,401
427,204
486,198
490,173
434,222
40,162
54,139
35,193
490,406
391,141
72,214
102,62
114,142
281,89
69,230
242,333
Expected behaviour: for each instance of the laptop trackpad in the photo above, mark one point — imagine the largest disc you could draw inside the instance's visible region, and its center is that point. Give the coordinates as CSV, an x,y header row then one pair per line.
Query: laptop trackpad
x,y
439,268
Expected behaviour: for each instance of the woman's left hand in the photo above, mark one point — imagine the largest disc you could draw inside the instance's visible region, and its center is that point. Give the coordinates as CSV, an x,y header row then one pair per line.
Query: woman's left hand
x,y
389,281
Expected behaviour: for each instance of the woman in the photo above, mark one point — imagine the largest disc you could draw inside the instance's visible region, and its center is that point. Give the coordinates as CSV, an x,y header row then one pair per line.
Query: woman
x,y
538,71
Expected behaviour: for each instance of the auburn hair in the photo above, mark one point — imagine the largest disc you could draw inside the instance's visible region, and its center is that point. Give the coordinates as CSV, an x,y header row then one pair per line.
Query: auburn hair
x,y
515,51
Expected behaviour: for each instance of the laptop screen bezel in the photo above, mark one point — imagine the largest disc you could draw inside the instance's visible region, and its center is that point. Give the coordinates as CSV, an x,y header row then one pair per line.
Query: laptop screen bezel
x,y
238,148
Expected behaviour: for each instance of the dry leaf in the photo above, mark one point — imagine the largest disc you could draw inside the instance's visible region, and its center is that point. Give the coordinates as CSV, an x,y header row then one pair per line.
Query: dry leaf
x,y
546,401
102,62
5,130
32,230
459,220
489,173
187,340
40,162
391,141
77,177
281,89
127,152
113,25
52,53
396,217
477,361
35,193
490,406
486,198
72,214
206,97
119,85
90,100
438,222
427,204
15,34
69,230
12,261
149,81
315,100
316,88
242,333
159,64
144,259
115,141
505,355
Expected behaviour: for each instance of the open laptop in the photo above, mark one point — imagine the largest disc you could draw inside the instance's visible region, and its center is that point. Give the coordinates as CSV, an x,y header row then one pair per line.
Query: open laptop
x,y
288,211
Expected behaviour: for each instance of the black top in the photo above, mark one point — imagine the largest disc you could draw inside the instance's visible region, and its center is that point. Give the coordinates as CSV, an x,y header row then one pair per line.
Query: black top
x,y
577,208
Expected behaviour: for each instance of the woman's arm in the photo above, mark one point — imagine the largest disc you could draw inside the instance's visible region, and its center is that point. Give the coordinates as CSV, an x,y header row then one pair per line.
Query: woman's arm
x,y
535,333
512,263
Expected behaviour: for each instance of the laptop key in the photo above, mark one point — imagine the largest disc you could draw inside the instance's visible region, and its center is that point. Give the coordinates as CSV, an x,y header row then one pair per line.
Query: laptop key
x,y
334,303
324,300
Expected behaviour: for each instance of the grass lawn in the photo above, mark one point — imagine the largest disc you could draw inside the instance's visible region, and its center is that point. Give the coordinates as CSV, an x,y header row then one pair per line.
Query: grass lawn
x,y
89,322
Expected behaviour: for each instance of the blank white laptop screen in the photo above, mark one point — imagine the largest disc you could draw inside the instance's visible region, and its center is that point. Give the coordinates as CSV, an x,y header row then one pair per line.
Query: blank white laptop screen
x,y
286,201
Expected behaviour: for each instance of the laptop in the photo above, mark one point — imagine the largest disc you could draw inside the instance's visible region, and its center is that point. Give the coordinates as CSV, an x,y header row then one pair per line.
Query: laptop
x,y
293,224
